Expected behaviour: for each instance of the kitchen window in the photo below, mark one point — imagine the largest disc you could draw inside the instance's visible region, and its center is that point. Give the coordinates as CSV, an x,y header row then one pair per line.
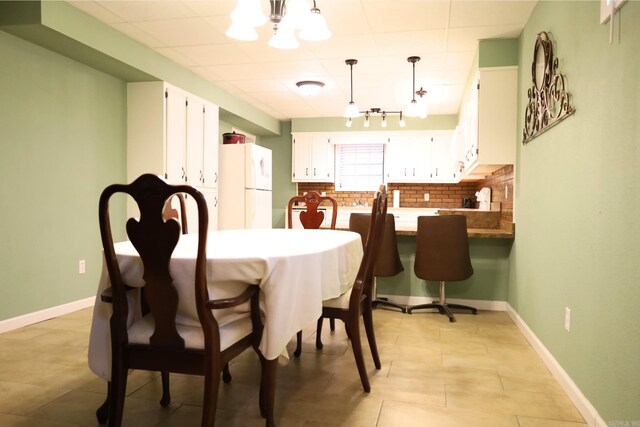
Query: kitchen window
x,y
359,167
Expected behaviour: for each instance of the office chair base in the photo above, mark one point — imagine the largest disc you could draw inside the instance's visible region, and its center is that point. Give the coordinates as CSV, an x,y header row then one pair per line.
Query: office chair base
x,y
443,309
384,304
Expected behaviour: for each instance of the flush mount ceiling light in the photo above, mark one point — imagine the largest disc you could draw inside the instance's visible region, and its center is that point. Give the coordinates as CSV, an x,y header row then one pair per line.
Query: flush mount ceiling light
x,y
287,17
416,109
310,87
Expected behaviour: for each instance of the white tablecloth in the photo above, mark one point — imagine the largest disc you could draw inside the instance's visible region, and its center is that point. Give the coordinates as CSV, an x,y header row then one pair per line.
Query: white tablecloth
x,y
295,269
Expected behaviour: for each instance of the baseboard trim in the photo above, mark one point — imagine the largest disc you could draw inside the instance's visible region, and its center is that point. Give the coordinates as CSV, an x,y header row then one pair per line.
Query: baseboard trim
x,y
415,300
46,314
586,409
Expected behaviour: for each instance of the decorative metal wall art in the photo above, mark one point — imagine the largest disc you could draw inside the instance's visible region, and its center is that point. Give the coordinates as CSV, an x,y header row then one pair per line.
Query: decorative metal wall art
x,y
549,102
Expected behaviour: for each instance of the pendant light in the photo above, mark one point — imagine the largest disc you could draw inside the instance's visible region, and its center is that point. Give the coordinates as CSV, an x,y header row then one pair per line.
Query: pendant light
x,y
352,109
414,109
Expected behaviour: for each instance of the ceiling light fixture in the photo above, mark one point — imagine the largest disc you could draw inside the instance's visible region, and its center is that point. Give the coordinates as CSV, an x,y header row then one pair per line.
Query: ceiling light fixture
x,y
352,109
414,109
287,16
310,87
383,117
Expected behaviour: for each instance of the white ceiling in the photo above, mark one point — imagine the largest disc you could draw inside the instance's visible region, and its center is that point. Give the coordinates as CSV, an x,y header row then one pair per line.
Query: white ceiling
x,y
380,34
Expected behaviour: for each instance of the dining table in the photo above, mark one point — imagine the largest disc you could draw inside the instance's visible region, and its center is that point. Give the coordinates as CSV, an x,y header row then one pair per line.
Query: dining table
x,y
296,269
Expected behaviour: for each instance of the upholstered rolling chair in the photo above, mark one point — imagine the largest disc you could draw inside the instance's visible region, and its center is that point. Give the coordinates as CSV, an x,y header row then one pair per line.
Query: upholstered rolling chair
x,y
311,218
156,342
442,255
389,263
356,302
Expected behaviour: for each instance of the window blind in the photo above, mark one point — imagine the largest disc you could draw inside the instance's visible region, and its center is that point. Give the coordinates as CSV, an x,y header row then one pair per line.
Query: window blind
x,y
360,167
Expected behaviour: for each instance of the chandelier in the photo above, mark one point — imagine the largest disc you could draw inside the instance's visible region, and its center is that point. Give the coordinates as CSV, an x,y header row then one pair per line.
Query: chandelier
x,y
287,16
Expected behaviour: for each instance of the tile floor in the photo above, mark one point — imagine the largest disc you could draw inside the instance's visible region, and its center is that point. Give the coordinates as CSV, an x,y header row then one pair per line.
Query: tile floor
x,y
479,371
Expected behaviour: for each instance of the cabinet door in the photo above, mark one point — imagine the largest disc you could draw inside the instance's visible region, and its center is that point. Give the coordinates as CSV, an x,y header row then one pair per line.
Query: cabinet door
x,y
396,159
408,159
301,156
211,114
195,141
322,159
471,127
176,134
442,157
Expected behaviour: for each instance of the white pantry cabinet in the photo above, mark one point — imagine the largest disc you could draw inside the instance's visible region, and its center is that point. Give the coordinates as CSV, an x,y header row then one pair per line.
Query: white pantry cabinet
x,y
174,134
313,157
489,120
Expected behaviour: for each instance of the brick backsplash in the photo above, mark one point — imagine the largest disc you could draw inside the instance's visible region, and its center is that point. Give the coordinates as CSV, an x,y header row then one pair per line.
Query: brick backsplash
x,y
440,195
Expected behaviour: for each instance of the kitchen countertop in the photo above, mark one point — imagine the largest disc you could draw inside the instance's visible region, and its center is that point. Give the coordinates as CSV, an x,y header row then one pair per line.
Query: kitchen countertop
x,y
481,224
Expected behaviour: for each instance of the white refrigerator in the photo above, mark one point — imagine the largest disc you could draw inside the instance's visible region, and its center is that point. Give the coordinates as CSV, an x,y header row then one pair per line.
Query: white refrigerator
x,y
244,187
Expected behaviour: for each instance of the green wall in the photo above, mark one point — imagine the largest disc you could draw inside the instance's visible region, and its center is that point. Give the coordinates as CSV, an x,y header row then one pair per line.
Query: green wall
x,y
63,139
577,203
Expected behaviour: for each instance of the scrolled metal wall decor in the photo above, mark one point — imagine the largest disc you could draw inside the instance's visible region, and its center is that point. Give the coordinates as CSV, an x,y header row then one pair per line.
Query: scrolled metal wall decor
x,y
549,102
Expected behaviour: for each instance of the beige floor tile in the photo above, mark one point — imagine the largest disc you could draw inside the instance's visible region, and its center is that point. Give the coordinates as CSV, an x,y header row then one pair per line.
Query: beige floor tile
x,y
401,414
545,422
22,399
478,371
21,421
532,383
537,405
79,407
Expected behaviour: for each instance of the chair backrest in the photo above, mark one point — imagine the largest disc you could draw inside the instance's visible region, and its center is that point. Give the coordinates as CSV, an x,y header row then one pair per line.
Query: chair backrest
x,y
442,248
170,212
312,217
362,287
389,263
154,239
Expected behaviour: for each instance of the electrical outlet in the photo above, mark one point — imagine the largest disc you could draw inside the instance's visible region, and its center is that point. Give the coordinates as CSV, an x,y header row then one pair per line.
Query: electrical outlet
x,y
81,267
567,319
426,197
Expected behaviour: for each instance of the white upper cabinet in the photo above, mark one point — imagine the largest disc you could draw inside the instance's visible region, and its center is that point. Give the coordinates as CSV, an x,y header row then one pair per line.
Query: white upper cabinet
x,y
407,157
489,120
174,134
420,156
313,158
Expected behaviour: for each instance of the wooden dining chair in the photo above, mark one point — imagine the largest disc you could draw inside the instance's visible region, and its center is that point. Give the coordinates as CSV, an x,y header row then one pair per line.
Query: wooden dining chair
x,y
311,218
170,212
156,342
356,302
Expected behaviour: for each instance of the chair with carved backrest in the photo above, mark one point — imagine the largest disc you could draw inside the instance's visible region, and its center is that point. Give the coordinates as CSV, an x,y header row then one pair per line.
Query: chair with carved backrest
x,y
311,218
156,342
356,302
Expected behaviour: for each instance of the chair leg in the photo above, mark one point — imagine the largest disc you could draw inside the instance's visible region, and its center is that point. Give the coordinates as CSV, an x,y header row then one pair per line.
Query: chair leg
x,y
298,351
102,414
268,389
166,395
367,319
226,374
319,334
118,391
332,324
357,353
211,387
463,307
384,304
